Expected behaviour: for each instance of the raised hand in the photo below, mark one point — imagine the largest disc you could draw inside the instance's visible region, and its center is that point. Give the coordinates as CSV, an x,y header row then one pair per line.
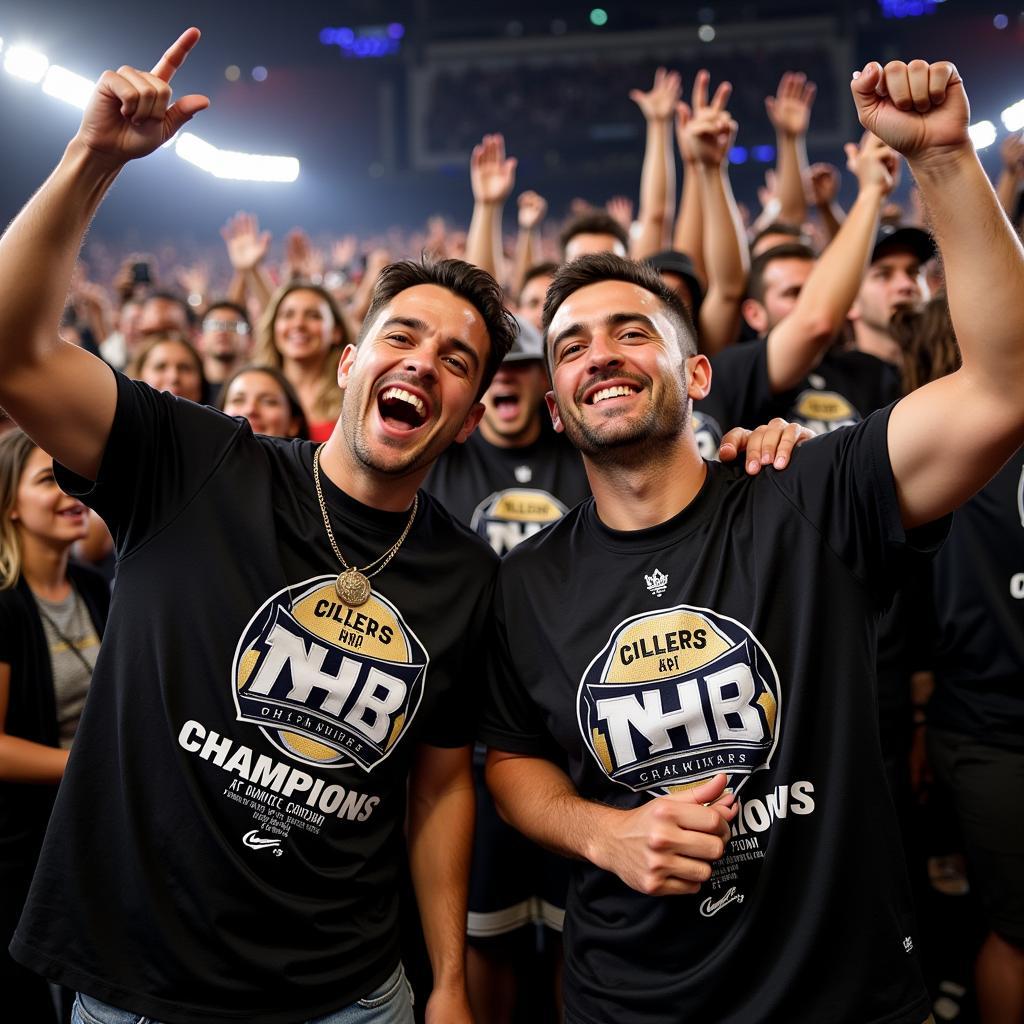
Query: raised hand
x,y
130,113
343,251
532,209
194,279
620,209
708,130
823,183
916,108
659,103
300,257
873,162
1012,152
491,173
789,110
247,245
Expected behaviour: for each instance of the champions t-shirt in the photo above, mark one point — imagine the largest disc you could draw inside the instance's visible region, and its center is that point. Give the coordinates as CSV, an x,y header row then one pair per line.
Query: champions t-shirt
x,y
507,494
737,637
979,603
227,839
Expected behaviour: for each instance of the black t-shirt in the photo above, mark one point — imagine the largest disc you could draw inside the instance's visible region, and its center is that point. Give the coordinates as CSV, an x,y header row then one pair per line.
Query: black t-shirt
x,y
507,494
738,636
979,604
227,840
843,388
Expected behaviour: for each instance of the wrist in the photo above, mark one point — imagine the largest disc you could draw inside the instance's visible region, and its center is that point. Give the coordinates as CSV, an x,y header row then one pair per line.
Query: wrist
x,y
85,161
600,835
940,163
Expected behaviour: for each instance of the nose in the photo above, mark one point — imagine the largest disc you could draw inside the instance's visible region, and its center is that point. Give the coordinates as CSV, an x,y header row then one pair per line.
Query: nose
x,y
602,353
422,361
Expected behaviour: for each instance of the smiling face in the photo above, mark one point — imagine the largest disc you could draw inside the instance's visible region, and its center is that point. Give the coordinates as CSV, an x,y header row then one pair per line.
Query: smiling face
x,y
304,328
42,512
512,404
171,366
621,385
261,400
411,384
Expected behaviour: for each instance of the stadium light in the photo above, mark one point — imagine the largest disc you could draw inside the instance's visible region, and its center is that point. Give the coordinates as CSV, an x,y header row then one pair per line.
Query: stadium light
x,y
67,86
225,163
1013,117
982,134
22,62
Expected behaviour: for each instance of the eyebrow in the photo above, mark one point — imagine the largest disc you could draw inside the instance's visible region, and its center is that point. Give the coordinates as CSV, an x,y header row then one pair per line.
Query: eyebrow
x,y
612,320
419,325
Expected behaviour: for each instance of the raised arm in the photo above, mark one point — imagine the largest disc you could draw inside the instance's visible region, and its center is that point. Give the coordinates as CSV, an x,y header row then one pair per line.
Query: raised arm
x,y
532,209
921,110
658,174
789,111
823,183
688,235
247,249
708,135
63,397
1011,176
797,344
493,176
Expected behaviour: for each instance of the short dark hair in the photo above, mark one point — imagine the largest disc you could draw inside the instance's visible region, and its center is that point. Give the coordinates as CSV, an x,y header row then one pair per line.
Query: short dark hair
x,y
168,296
471,283
547,269
793,231
606,266
235,307
597,222
759,264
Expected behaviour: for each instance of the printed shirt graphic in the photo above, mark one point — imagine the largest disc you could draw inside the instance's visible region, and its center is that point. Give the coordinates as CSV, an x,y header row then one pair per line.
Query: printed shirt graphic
x,y
264,731
755,660
508,494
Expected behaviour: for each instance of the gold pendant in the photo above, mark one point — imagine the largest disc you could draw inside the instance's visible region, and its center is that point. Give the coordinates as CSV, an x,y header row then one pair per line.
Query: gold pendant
x,y
353,588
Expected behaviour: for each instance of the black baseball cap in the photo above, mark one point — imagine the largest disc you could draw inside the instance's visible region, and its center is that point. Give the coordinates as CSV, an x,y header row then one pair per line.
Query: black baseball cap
x,y
676,262
528,344
904,236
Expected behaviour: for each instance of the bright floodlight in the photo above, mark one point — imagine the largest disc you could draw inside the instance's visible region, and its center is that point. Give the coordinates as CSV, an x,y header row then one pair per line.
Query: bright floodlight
x,y
224,163
1013,117
982,134
22,62
67,86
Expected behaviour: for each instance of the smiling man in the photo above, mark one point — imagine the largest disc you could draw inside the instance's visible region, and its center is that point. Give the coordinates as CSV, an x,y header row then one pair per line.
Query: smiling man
x,y
285,690
693,635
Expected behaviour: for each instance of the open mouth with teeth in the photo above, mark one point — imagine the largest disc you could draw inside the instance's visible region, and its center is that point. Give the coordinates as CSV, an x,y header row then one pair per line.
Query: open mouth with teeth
x,y
400,409
612,391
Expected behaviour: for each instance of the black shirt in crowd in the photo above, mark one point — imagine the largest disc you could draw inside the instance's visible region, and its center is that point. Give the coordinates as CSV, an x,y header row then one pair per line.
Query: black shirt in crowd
x,y
508,494
978,584
227,842
737,637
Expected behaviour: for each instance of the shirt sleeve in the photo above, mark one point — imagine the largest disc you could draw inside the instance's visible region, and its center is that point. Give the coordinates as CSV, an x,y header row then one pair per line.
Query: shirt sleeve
x,y
842,484
160,452
511,720
741,392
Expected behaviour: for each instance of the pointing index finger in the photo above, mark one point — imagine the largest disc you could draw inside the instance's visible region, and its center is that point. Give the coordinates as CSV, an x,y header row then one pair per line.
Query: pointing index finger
x,y
175,54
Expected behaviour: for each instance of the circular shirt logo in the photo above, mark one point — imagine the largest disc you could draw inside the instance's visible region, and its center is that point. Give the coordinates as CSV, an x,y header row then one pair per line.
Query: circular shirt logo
x,y
823,411
678,696
328,684
505,518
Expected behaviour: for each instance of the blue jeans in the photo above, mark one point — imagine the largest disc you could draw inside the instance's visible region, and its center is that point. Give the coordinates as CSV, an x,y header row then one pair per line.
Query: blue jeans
x,y
389,1003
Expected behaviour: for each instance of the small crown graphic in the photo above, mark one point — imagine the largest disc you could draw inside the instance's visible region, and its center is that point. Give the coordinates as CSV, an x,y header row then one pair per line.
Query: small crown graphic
x,y
657,582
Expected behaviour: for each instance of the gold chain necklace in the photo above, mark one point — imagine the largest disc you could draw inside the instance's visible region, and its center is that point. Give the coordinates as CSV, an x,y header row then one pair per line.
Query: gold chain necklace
x,y
353,585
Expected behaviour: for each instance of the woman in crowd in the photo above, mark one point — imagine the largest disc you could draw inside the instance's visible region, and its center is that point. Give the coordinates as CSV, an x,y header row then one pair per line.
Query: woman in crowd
x,y
302,334
264,397
52,614
170,363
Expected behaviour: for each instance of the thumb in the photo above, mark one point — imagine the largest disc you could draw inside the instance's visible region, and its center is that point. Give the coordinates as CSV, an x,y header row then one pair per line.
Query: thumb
x,y
184,110
706,792
636,96
850,149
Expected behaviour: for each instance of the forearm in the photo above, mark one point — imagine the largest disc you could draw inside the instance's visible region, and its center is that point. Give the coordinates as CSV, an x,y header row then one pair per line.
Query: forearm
x,y
260,286
984,265
22,760
1007,188
726,257
799,342
539,799
237,288
689,231
790,168
440,846
483,241
657,191
525,257
39,250
832,217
